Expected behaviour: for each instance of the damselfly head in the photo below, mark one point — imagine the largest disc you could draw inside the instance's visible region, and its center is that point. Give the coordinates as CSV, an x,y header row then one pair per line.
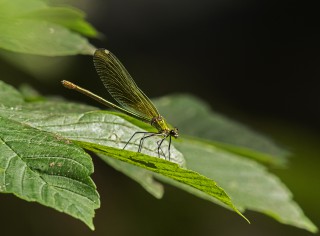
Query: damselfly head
x,y
174,132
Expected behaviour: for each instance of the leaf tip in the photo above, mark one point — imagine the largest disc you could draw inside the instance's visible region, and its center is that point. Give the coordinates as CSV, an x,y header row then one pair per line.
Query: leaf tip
x,y
237,211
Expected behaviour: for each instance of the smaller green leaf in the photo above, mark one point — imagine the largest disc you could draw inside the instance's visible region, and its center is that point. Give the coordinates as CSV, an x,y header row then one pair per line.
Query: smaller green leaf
x,y
33,27
167,169
68,17
14,8
45,38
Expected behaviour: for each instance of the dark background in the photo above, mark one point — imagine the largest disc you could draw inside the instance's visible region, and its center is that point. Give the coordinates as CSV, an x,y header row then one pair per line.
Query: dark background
x,y
254,61
260,57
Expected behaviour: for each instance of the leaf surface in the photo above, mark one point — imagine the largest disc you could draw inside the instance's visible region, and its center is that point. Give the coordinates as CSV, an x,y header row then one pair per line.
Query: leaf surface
x,y
48,169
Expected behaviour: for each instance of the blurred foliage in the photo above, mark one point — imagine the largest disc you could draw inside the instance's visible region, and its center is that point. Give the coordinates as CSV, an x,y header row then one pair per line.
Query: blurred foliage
x,y
33,27
227,133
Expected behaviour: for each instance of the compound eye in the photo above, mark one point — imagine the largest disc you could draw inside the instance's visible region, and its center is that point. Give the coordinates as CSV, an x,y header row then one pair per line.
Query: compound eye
x,y
175,132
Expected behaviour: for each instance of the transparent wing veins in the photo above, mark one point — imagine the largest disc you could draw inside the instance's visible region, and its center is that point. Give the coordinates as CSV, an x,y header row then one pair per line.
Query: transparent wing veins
x,y
121,86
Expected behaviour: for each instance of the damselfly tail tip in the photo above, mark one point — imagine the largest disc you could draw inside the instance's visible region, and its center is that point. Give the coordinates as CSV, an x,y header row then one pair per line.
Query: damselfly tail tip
x,y
68,84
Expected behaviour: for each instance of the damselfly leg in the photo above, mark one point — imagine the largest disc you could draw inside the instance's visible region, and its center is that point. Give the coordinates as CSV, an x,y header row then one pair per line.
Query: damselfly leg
x,y
149,135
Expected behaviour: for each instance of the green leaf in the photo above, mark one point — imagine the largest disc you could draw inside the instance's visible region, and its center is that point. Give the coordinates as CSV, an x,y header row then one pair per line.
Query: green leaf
x,y
76,127
167,169
35,28
48,169
201,121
